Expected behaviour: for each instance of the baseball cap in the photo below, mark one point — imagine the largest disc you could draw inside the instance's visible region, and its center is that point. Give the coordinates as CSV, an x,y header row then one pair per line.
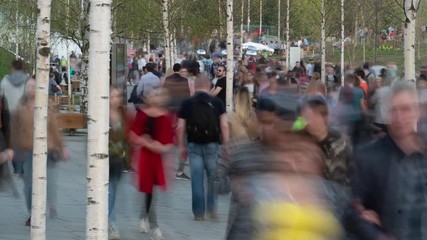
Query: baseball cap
x,y
216,55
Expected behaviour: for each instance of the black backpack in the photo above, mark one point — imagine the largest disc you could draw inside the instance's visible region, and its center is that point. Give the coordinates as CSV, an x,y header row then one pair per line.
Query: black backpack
x,y
134,98
203,126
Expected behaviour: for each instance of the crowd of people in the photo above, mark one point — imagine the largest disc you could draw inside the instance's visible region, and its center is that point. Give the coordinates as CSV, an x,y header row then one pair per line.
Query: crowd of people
x,y
303,157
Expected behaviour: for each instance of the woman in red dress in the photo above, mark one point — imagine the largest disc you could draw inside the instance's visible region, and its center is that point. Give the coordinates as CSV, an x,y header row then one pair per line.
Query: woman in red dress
x,y
153,132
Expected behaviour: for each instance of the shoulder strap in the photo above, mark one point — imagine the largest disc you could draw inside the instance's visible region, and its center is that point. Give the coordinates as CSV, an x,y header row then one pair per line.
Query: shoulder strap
x,y
369,74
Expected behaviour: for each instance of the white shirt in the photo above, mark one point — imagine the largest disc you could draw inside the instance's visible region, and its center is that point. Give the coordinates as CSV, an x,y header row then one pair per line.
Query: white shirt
x,y
310,69
141,63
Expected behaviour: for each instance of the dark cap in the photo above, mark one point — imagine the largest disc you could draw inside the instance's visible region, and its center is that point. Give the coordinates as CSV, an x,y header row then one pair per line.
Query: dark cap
x,y
216,55
366,65
308,100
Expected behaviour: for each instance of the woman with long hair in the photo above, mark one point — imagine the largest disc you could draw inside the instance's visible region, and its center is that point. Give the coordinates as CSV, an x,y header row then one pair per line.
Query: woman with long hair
x,y
242,122
243,127
152,131
118,151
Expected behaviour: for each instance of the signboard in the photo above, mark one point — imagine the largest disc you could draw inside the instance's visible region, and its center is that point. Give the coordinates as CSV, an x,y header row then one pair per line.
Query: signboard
x,y
295,55
118,68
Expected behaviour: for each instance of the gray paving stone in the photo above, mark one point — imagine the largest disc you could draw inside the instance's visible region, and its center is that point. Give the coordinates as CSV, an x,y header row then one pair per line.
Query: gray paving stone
x,y
173,207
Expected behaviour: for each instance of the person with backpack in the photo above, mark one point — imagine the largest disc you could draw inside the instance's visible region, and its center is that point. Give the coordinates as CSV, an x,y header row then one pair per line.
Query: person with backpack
x,y
202,118
369,74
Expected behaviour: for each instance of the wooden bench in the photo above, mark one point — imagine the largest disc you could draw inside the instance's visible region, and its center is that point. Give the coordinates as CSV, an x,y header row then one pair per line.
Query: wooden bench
x,y
60,100
63,100
75,85
71,121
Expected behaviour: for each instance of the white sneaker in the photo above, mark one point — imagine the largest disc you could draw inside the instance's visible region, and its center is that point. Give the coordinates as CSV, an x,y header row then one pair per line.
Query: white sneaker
x,y
113,232
144,225
157,234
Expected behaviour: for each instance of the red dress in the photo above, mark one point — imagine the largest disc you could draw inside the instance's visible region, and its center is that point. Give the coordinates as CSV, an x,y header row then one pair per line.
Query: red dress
x,y
150,167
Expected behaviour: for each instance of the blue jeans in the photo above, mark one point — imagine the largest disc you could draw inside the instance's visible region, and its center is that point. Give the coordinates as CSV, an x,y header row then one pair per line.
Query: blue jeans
x,y
203,157
116,168
18,167
28,180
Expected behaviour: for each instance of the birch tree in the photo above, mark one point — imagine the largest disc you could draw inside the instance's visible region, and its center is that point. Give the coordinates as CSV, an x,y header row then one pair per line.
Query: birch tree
x,y
38,208
342,42
85,32
323,42
230,62
167,41
411,7
17,31
98,119
241,29
288,10
260,21
248,21
278,20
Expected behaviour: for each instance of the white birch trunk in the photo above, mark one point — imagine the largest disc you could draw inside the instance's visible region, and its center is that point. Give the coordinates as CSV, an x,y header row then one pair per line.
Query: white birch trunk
x,y
85,57
68,60
249,17
278,20
98,119
38,208
69,78
288,9
260,21
165,20
411,7
364,37
149,44
342,42
230,62
323,43
241,29
221,26
174,48
17,41
356,26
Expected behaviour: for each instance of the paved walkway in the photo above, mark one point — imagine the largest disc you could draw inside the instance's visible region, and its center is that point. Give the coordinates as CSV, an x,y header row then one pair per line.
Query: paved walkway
x,y
173,207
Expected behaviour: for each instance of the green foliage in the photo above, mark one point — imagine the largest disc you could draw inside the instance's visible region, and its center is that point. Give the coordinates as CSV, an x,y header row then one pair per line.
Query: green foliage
x,y
5,60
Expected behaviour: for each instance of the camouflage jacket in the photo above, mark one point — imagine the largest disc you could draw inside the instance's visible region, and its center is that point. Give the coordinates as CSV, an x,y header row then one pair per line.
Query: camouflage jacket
x,y
338,153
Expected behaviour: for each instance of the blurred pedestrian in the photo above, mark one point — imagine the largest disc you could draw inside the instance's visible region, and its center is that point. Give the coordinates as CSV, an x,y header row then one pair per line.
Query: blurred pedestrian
x,y
12,89
242,121
277,186
335,145
178,89
6,180
353,107
22,133
118,152
153,132
389,181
